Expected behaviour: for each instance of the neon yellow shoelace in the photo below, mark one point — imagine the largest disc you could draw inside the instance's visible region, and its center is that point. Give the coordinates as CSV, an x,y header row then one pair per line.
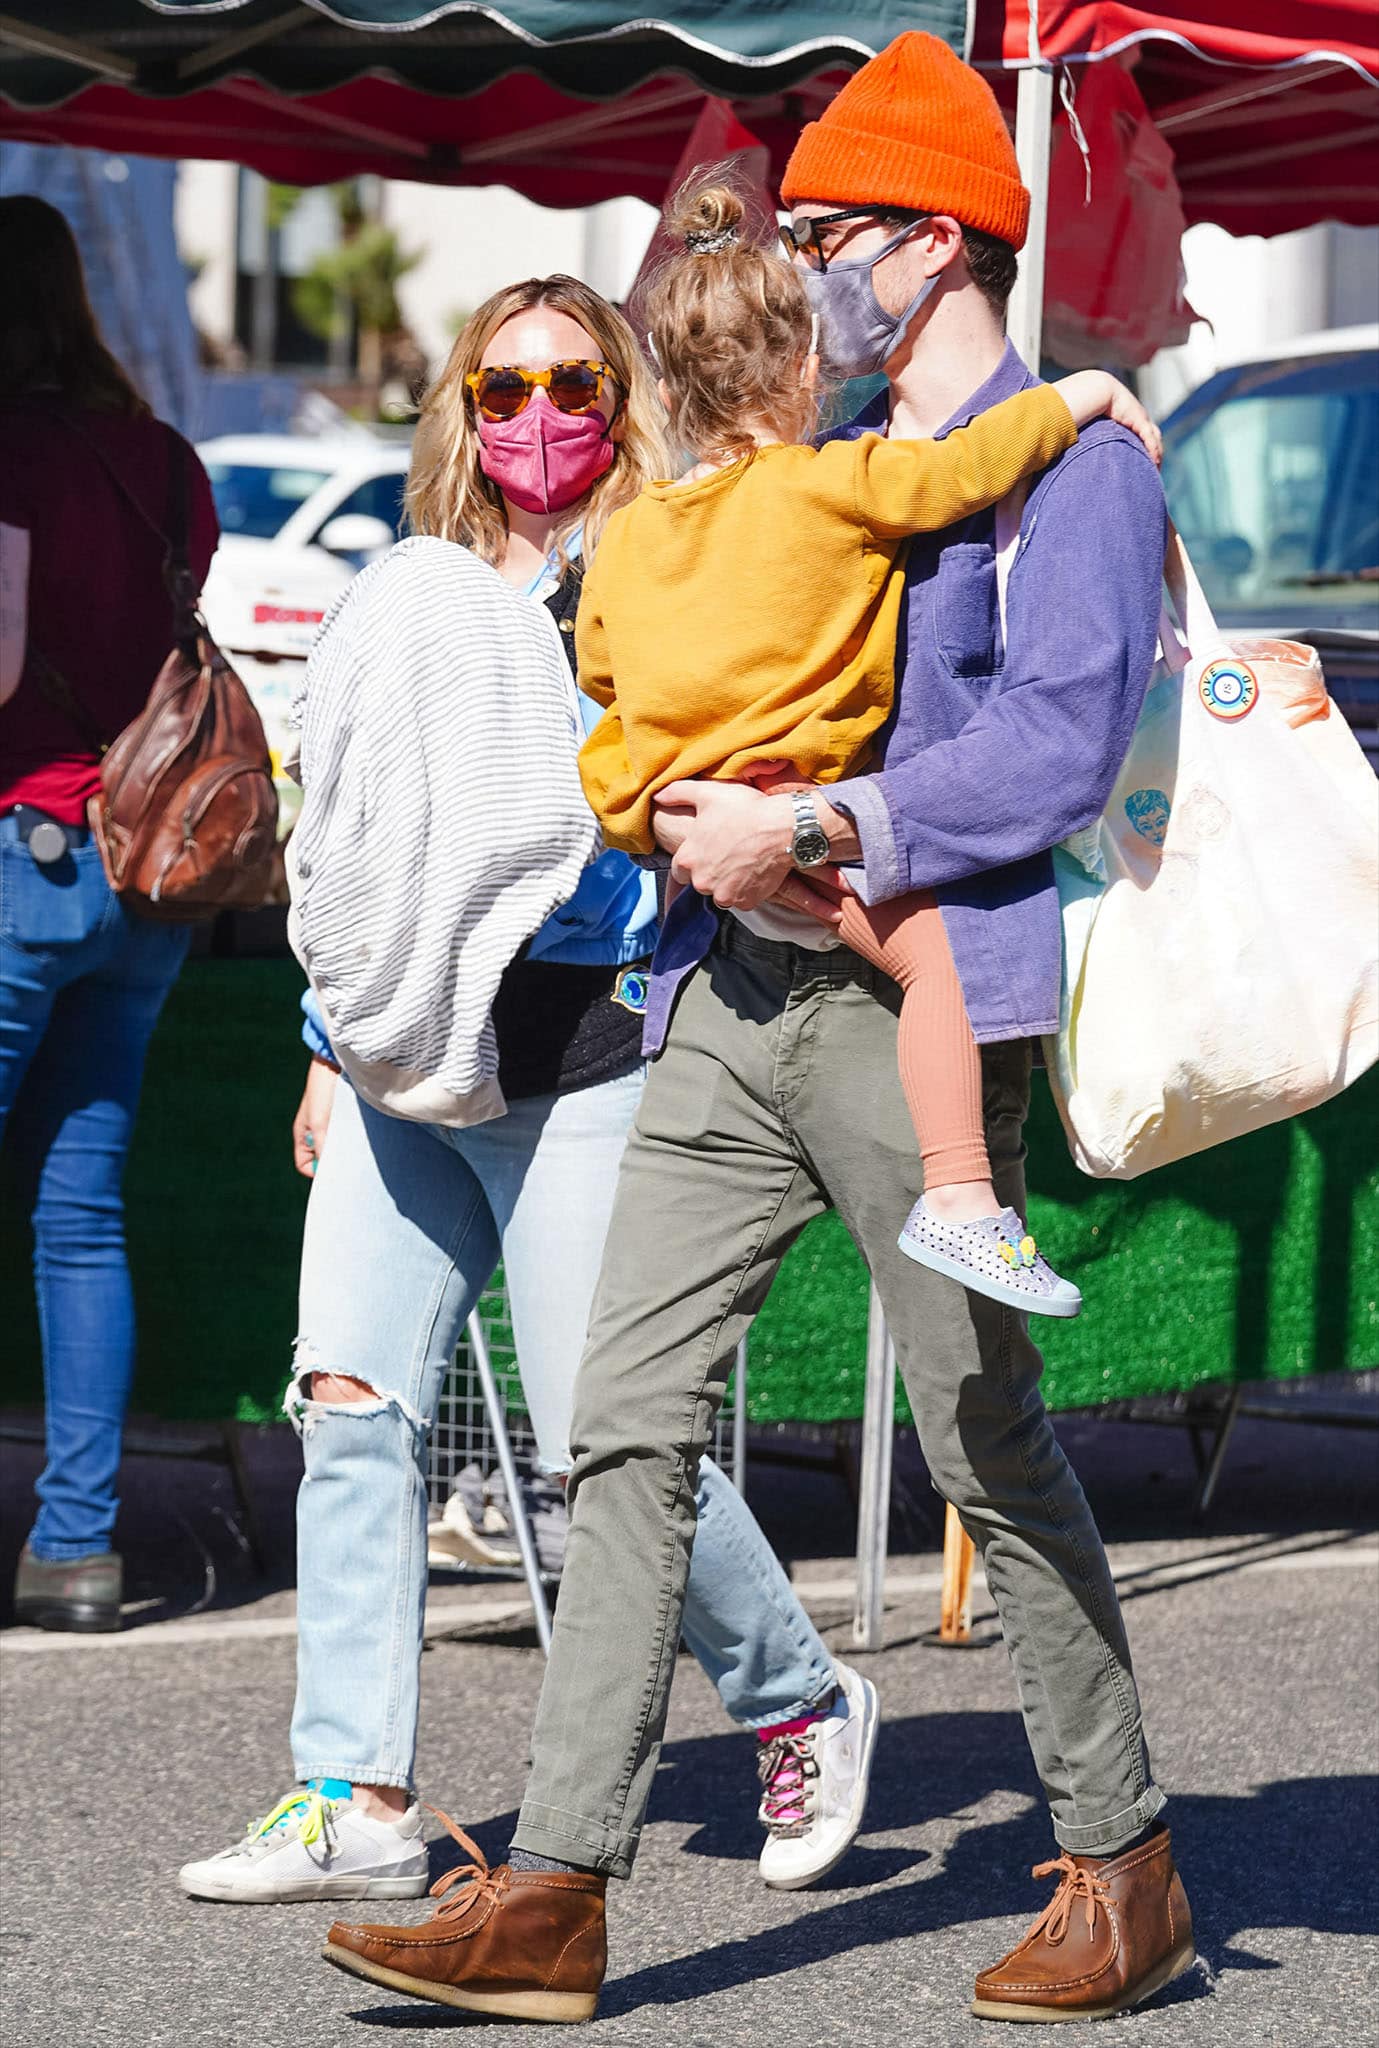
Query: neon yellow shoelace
x,y
314,1821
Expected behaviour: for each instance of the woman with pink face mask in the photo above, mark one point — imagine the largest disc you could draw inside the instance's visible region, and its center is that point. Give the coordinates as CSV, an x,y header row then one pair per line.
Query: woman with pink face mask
x,y
542,424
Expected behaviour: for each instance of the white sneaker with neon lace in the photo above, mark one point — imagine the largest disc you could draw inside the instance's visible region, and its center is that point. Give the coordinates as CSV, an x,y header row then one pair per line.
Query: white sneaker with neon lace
x,y
815,1787
311,1847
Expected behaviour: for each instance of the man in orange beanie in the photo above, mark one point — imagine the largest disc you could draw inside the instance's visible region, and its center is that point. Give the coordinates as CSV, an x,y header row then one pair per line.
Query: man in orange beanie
x,y
776,1095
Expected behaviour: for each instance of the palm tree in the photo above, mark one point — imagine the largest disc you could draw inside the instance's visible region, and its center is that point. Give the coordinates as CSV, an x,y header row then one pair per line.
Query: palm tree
x,y
353,284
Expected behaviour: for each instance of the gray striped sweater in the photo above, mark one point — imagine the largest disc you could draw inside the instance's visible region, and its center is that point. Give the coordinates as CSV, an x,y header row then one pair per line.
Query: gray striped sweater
x,y
442,821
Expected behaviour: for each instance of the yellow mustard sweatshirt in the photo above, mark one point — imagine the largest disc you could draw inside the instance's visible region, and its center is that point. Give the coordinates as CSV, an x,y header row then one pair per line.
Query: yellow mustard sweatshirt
x,y
752,616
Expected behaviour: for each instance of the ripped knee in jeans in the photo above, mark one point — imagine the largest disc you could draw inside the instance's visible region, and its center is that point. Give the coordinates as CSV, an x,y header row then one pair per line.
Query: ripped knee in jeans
x,y
313,1392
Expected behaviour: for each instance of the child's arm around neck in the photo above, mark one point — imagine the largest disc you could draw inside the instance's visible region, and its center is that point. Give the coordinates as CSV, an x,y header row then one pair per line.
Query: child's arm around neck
x,y
903,487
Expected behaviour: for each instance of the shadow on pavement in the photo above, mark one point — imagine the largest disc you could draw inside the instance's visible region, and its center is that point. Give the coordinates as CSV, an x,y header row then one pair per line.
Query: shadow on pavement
x,y
711,1781
1271,1860
1294,1854
965,1758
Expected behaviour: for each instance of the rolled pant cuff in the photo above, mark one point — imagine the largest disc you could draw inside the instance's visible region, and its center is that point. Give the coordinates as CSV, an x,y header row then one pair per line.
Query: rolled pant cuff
x,y
356,1774
570,1838
798,1710
1108,1837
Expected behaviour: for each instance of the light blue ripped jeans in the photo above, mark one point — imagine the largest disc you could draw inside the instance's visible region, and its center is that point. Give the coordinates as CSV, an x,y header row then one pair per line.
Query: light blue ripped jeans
x,y
405,1226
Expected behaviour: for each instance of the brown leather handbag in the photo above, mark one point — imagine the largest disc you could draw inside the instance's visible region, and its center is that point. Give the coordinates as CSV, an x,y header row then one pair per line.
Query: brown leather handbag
x,y
187,815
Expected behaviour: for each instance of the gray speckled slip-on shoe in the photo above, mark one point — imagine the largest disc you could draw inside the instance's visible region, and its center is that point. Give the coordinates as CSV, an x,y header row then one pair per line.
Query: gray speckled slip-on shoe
x,y
995,1256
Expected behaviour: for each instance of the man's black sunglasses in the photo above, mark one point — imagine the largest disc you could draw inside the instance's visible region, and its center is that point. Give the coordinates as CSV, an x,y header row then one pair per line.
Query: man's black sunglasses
x,y
804,240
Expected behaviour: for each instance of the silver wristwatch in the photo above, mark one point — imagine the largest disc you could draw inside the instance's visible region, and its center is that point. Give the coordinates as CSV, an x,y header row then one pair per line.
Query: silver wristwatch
x,y
809,847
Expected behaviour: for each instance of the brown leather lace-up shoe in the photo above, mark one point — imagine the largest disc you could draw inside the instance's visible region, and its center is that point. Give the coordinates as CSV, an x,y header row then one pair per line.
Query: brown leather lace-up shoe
x,y
526,1944
1112,1935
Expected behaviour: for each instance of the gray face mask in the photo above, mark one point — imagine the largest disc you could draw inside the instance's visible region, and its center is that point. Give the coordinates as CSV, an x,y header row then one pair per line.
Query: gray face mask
x,y
857,336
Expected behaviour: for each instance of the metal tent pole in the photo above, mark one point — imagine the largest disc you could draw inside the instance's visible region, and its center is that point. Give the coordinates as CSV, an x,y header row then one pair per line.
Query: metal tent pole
x,y
1033,139
498,1423
873,1510
1230,1415
1024,324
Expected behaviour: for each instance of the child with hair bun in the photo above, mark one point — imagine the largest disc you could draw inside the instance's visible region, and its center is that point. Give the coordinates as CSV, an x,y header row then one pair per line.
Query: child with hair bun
x,y
740,624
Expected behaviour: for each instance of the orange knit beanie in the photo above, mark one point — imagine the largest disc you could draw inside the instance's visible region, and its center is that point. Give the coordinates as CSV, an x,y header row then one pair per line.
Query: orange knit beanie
x,y
919,129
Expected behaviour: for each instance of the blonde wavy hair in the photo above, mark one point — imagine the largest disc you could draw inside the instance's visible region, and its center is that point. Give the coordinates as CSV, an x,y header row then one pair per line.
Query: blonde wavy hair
x,y
448,494
731,327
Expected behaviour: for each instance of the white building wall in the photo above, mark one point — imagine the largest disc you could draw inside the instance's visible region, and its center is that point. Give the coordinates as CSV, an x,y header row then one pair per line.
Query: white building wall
x,y
472,241
204,217
1250,292
1253,294
616,238
477,240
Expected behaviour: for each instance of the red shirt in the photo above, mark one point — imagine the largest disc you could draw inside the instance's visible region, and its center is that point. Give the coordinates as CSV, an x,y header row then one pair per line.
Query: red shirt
x,y
97,607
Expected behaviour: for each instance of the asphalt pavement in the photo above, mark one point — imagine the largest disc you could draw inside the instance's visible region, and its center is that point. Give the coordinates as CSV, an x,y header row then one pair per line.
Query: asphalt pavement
x,y
1256,1641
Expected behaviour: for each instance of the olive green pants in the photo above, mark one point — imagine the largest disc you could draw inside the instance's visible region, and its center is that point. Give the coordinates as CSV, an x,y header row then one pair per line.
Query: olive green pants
x,y
777,1096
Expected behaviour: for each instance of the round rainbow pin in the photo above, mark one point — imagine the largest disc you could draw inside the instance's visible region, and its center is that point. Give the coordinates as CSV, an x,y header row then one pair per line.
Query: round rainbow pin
x,y
1228,689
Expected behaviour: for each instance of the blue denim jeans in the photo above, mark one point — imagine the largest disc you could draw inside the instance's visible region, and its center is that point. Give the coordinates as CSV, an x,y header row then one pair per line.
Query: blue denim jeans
x,y
405,1226
81,985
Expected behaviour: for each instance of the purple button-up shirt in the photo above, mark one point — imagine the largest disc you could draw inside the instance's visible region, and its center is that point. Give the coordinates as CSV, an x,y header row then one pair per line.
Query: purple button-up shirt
x,y
999,746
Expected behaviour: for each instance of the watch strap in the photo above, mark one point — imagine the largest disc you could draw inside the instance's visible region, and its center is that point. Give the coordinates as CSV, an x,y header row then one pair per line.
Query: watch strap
x,y
809,846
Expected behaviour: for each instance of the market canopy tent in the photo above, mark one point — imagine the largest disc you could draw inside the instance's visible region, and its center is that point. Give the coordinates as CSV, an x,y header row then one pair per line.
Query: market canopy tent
x,y
567,101
1270,111
1270,108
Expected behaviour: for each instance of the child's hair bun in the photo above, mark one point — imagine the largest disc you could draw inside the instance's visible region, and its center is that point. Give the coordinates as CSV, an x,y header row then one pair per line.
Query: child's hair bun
x,y
728,321
707,217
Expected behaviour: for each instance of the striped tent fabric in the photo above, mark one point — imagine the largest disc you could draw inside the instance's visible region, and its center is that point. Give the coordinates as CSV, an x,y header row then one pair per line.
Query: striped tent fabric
x,y
442,820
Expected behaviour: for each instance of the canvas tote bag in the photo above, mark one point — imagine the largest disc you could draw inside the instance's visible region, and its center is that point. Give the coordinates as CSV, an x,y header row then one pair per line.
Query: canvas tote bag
x,y
1221,919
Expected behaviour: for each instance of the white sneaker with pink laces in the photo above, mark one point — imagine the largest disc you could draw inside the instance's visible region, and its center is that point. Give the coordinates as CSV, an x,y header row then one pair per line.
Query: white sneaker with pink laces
x,y
814,1787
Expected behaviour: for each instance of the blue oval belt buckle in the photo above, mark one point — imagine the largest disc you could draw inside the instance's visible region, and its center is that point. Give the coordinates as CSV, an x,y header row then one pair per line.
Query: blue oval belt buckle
x,y
631,989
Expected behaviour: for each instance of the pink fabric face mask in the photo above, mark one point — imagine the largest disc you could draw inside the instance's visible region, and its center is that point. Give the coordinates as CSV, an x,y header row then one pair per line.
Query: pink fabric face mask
x,y
544,459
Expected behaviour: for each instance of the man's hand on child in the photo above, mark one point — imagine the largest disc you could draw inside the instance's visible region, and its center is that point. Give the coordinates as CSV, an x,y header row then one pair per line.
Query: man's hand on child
x,y
1094,395
727,839
733,843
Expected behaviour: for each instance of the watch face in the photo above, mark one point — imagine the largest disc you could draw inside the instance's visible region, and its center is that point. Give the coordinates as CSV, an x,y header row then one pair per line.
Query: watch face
x,y
809,847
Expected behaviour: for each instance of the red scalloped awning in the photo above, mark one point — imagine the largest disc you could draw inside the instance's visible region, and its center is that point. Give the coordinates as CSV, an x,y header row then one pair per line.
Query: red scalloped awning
x,y
553,147
1271,107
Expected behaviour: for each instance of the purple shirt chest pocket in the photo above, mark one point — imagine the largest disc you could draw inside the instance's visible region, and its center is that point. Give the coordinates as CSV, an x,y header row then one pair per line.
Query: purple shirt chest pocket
x,y
966,610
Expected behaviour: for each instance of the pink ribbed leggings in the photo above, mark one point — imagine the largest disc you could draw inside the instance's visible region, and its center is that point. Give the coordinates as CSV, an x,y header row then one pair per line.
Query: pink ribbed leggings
x,y
940,1066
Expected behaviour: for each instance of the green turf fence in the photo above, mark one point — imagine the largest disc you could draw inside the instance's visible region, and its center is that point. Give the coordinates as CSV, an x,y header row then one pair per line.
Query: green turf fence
x,y
1257,1260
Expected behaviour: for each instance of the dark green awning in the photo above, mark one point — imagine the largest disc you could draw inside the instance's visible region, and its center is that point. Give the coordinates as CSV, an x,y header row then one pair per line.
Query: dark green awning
x,y
568,100
594,48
